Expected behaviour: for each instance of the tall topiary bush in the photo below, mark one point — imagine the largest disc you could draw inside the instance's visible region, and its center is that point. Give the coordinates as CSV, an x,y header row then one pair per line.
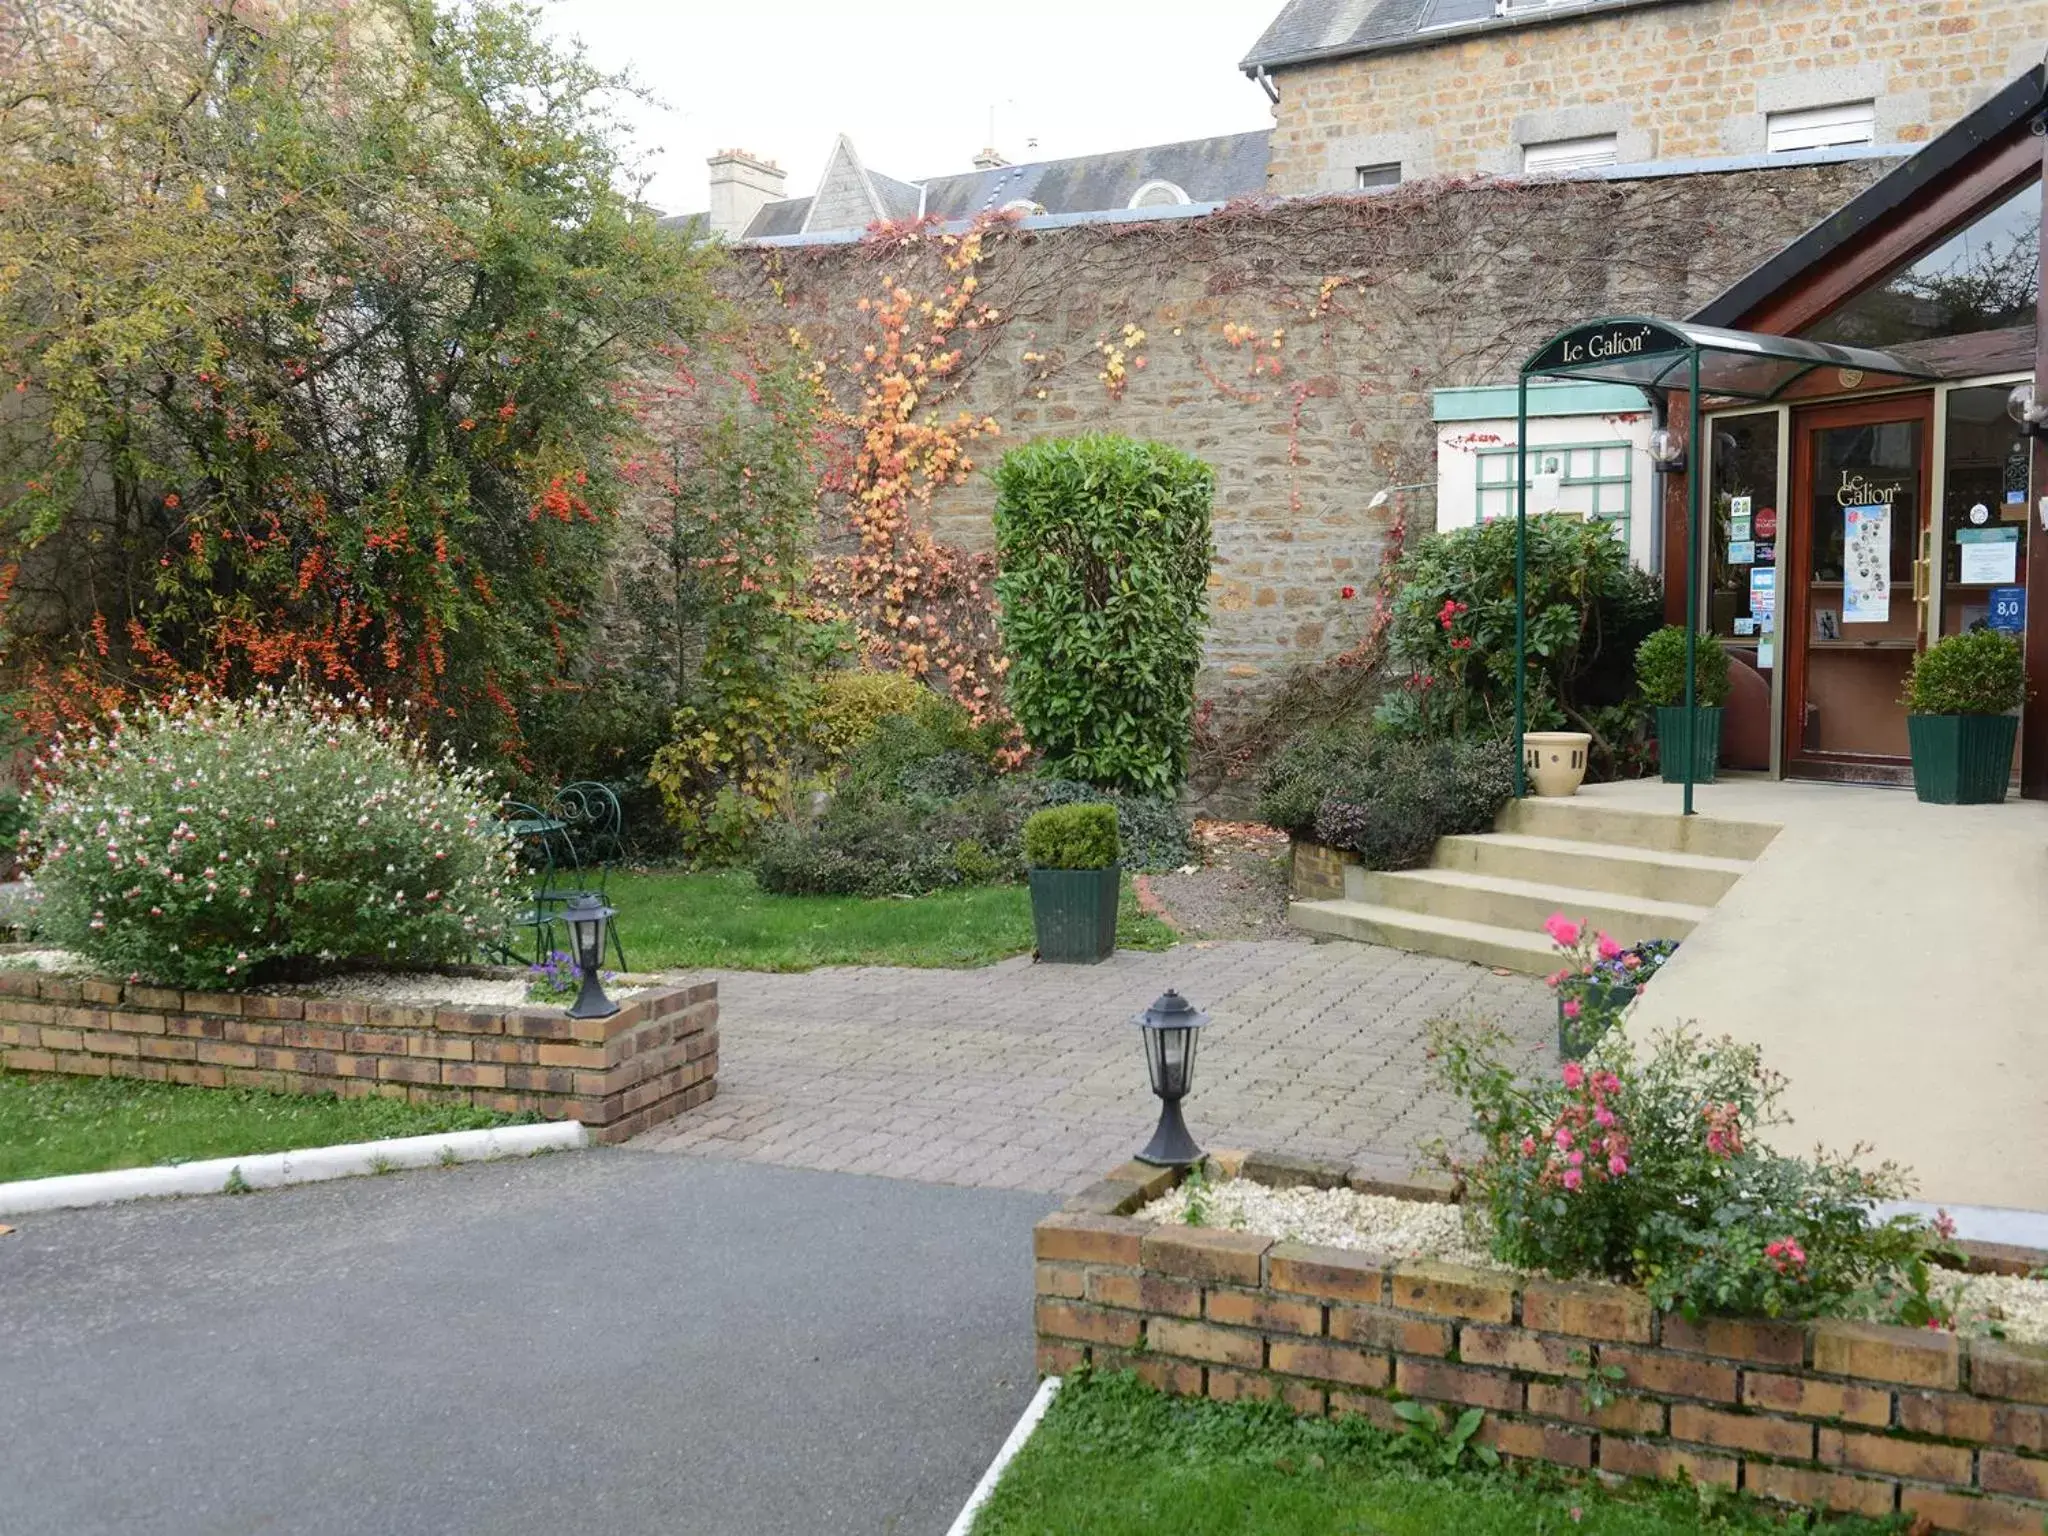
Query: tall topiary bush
x,y
220,844
1103,546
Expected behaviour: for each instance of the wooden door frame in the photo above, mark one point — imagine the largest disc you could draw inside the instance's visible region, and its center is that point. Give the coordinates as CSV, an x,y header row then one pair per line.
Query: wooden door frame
x,y
1795,554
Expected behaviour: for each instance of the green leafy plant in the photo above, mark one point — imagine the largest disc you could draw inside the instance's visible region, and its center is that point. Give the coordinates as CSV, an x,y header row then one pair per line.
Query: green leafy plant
x,y
1385,798
1649,1168
217,844
1196,1212
874,847
1660,670
852,706
1103,550
1598,1384
1981,672
1431,1438
1452,637
1072,837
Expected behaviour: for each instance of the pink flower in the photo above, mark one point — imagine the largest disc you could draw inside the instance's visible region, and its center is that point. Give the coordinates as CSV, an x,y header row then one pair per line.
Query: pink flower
x,y
1603,1117
1571,1008
1617,1165
1577,1159
1609,950
1785,1254
1944,1226
1563,1139
1573,1178
1606,1082
1561,929
1574,1074
1528,1146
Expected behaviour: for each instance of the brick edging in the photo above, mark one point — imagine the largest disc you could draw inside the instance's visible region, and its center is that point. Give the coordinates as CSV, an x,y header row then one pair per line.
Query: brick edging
x,y
652,1060
1857,1416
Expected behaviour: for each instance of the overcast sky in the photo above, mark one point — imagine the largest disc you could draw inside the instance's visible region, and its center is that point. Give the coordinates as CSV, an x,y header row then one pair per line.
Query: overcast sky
x,y
913,82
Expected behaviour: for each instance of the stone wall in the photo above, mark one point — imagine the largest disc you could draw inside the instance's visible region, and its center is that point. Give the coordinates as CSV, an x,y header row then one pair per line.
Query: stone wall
x,y
1696,79
653,1059
1873,1420
1294,346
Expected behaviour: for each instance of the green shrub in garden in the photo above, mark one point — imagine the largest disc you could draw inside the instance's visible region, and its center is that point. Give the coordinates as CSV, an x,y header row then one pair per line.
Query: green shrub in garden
x,y
219,844
1104,550
1978,673
1385,798
1453,633
1646,1167
1153,832
1660,670
1071,837
852,705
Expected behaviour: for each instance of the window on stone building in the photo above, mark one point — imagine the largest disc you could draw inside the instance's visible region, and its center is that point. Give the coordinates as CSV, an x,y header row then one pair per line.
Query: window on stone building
x,y
1561,155
1370,176
1853,122
1592,479
1158,194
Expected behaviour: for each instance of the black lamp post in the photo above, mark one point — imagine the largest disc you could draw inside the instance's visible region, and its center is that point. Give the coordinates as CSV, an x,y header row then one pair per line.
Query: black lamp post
x,y
586,916
1170,1025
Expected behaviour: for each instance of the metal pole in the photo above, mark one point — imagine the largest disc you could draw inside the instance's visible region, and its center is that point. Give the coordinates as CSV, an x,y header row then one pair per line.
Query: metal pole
x,y
1522,584
1692,580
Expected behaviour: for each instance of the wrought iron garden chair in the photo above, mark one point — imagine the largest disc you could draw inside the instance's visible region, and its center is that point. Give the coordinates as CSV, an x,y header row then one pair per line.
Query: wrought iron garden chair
x,y
547,854
595,827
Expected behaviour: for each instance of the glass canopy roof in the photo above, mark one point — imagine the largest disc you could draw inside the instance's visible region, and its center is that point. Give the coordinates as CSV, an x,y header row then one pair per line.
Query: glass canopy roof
x,y
1734,365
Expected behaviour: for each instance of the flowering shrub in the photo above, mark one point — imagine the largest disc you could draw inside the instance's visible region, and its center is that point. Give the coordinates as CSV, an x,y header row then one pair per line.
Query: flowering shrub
x,y
1387,800
218,844
558,978
1598,981
1648,1169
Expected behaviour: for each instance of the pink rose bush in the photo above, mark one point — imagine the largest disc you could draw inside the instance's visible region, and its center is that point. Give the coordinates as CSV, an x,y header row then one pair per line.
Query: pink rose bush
x,y
1645,1166
1598,980
222,844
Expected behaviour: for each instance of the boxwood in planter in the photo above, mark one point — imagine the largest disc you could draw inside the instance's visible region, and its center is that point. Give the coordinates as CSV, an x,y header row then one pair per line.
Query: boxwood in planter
x,y
1660,672
1960,700
1072,851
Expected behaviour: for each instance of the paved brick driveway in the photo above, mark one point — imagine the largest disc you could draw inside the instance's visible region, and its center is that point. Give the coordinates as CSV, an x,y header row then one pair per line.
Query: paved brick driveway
x,y
1027,1076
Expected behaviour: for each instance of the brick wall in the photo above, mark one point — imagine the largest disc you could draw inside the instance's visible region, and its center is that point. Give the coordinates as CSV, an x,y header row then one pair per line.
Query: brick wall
x,y
653,1059
1671,82
1316,873
1294,347
1851,1415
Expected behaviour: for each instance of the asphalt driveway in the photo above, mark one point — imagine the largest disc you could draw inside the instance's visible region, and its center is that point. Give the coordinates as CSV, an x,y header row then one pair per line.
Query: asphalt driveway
x,y
600,1341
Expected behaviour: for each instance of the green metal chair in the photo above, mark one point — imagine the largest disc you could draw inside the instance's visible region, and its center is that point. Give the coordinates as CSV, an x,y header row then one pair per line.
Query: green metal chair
x,y
543,846
595,828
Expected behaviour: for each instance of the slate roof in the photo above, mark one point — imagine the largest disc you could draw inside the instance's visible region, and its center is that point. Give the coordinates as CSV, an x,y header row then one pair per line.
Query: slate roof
x,y
1207,170
1306,30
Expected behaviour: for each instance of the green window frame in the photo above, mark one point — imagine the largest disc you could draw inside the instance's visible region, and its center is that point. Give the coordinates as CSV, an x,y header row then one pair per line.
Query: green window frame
x,y
1606,469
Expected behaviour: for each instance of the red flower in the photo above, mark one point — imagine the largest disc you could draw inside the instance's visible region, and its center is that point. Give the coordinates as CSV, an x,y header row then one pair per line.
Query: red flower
x,y
1348,592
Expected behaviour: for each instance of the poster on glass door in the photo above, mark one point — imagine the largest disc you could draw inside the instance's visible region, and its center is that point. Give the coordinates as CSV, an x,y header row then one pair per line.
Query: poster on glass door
x,y
1867,564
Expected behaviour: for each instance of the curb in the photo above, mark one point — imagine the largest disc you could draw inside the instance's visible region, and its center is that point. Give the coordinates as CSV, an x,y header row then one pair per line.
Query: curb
x,y
963,1523
274,1170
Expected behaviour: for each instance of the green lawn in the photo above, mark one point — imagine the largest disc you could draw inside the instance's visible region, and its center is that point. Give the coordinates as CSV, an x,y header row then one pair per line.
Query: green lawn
x,y
723,919
1113,1458
52,1125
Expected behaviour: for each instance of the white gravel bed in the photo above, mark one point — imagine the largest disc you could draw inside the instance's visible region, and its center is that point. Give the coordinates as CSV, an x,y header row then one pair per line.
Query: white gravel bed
x,y
2006,1305
60,962
1336,1218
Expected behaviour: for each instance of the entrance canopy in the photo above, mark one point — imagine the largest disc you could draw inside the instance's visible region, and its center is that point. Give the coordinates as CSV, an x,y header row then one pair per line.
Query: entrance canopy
x,y
1733,365
1706,362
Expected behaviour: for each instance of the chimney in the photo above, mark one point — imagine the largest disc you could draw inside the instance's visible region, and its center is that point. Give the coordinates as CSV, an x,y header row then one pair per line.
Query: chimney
x,y
990,159
742,184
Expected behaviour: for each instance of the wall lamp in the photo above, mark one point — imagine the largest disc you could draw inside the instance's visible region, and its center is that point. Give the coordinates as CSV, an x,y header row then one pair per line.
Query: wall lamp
x,y
2028,412
1667,450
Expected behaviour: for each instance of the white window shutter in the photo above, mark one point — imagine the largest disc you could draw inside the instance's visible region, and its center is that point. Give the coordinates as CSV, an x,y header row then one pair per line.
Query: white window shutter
x,y
1853,122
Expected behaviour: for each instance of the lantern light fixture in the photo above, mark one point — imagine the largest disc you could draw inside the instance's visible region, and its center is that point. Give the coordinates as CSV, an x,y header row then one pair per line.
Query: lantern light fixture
x,y
1667,450
586,916
1171,1026
2028,411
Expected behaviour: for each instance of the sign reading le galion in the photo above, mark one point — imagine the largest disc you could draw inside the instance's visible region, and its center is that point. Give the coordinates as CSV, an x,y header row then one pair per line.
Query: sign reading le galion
x,y
1609,341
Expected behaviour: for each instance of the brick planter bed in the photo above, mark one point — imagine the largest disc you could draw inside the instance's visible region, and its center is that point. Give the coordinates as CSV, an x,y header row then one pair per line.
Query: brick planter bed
x,y
655,1058
1854,1416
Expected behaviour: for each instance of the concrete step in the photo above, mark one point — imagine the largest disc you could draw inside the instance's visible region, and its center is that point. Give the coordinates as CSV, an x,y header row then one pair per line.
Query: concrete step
x,y
1693,878
1425,933
1576,821
1520,906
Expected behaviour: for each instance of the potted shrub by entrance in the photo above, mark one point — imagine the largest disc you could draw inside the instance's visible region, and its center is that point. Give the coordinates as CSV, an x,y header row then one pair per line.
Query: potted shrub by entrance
x,y
1959,702
1072,851
1660,672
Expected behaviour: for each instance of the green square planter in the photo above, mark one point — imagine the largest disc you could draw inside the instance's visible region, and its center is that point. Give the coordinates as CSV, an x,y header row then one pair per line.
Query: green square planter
x,y
1073,912
1703,731
1962,759
1575,1037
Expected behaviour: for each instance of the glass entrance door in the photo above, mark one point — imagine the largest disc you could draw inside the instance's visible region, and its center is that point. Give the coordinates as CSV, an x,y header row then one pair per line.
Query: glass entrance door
x,y
1858,575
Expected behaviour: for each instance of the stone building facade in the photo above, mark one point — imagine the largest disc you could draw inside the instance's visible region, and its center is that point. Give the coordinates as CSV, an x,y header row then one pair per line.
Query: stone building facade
x,y
1406,89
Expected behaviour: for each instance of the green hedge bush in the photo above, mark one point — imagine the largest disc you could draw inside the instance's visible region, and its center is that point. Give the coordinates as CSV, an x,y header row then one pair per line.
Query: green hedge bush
x,y
224,844
1978,673
1071,837
1103,545
1660,670
1385,798
1453,633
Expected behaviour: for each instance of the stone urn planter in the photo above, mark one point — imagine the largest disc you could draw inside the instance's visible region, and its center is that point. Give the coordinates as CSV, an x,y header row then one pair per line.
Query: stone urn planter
x,y
1556,761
